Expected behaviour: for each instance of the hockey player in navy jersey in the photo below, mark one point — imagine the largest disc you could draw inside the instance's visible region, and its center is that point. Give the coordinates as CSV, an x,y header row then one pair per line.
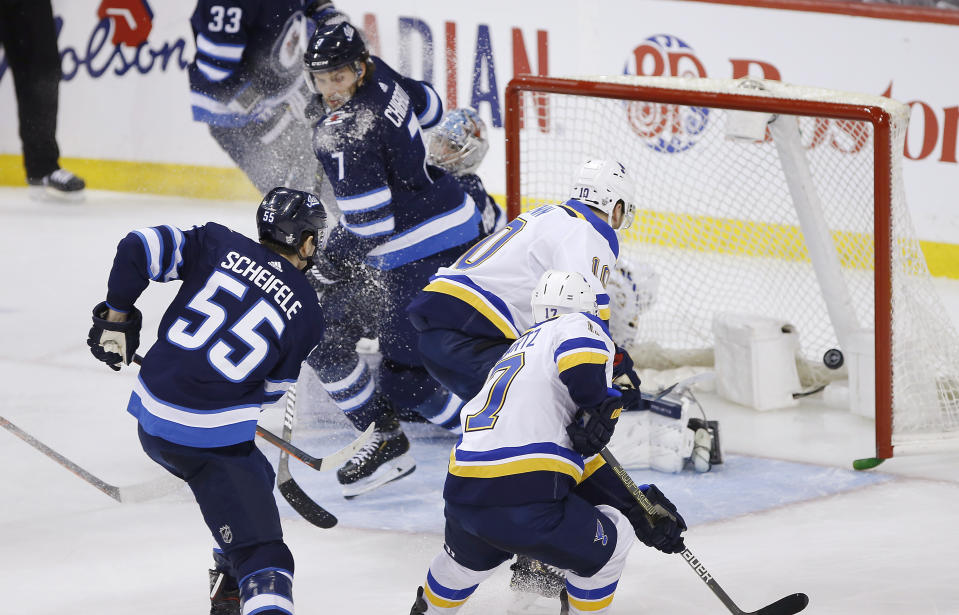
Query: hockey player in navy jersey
x,y
230,343
398,224
458,145
246,83
526,478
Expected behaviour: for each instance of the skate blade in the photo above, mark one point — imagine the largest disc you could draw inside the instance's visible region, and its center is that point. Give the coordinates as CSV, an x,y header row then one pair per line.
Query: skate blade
x,y
394,469
52,195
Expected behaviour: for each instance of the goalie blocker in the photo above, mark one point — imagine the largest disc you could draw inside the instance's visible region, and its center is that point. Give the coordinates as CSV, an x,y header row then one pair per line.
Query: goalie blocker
x,y
659,434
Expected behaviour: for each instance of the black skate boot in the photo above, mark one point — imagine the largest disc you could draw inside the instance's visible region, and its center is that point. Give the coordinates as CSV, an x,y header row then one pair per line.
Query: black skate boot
x,y
419,606
224,594
384,458
60,185
535,586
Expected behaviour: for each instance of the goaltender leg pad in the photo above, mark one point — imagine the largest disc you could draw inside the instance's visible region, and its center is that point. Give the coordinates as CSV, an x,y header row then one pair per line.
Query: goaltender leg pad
x,y
449,584
656,437
267,592
593,594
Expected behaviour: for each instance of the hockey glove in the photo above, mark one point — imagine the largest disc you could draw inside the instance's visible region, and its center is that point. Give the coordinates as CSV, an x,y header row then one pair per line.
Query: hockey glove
x,y
662,532
623,373
324,13
593,427
632,398
114,342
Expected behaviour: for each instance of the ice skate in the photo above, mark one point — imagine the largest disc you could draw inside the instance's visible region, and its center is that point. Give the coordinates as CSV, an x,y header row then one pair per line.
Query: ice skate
x,y
535,587
385,458
224,594
419,606
58,185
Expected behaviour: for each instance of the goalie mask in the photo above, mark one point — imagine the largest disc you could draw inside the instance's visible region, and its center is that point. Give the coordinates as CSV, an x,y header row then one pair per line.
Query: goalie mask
x,y
458,144
287,217
562,292
632,291
602,184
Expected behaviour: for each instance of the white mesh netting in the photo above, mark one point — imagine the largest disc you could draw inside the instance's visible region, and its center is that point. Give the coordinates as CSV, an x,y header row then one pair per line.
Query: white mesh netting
x,y
716,219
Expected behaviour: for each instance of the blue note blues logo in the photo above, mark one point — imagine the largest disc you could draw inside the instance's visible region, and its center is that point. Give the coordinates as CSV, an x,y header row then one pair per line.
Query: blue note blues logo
x,y
670,129
600,534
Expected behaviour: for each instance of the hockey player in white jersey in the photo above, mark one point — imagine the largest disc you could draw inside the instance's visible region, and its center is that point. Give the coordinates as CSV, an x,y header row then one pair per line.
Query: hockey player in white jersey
x,y
471,311
526,477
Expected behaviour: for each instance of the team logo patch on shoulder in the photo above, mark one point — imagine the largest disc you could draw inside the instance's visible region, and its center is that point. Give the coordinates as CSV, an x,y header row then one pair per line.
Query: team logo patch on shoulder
x,y
337,117
276,265
383,86
226,533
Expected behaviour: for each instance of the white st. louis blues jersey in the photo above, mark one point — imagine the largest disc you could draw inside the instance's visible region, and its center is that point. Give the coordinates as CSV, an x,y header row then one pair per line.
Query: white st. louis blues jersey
x,y
515,448
486,291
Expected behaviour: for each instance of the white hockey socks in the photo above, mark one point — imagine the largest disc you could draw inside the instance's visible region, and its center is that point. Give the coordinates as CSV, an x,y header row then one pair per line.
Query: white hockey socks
x,y
593,595
449,585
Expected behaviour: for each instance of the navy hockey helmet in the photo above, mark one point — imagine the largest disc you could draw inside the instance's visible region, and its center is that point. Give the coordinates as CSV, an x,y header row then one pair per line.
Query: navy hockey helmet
x,y
333,46
285,215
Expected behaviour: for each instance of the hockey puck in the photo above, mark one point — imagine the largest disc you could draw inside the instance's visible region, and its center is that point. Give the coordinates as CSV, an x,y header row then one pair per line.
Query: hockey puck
x,y
833,358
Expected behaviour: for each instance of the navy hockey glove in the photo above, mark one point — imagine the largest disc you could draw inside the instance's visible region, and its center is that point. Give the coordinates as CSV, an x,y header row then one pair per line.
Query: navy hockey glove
x,y
324,13
114,342
593,427
632,398
623,373
662,532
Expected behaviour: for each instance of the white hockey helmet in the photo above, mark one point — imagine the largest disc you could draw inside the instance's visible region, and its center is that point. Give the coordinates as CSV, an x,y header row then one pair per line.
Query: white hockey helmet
x,y
632,291
602,184
562,292
458,144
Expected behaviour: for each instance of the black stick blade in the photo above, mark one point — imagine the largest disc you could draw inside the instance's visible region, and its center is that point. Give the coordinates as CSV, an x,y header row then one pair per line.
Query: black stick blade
x,y
308,509
786,606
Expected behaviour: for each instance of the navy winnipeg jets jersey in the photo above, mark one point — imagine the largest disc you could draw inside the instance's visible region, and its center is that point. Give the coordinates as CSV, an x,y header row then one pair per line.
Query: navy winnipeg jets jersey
x,y
246,50
372,150
493,218
230,342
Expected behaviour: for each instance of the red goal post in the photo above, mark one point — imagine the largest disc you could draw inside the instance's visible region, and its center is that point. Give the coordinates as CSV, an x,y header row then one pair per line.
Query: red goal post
x,y
547,119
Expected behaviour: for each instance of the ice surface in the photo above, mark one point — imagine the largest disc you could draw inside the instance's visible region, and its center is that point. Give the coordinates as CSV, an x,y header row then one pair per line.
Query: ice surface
x,y
783,514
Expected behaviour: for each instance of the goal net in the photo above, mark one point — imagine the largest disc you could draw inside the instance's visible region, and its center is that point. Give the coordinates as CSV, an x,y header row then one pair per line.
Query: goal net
x,y
759,197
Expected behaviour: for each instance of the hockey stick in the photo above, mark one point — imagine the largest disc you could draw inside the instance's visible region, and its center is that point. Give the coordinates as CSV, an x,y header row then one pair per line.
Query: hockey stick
x,y
291,491
321,464
133,493
789,605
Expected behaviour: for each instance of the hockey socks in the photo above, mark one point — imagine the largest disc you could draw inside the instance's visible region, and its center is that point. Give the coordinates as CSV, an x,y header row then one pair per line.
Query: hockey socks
x,y
442,408
449,585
